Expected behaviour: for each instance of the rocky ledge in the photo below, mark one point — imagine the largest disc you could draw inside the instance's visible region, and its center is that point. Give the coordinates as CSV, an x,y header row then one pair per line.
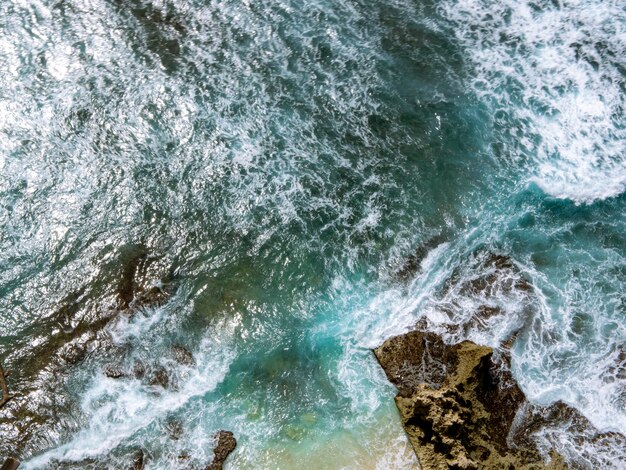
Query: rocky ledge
x,y
462,409
225,444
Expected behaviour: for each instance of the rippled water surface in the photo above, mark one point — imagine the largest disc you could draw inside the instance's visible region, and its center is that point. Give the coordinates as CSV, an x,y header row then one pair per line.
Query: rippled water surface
x,y
271,165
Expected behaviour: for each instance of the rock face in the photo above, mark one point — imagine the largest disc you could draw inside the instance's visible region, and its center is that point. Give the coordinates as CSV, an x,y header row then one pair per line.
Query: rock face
x,y
226,443
138,460
182,355
10,464
457,406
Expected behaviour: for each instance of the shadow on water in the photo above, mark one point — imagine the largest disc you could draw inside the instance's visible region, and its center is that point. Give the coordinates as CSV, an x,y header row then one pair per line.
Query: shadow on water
x,y
162,30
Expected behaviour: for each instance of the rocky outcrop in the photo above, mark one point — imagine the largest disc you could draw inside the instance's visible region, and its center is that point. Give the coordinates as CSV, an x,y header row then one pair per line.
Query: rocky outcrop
x,y
10,464
182,355
138,460
155,374
462,409
459,403
136,287
226,443
412,263
114,372
454,406
75,331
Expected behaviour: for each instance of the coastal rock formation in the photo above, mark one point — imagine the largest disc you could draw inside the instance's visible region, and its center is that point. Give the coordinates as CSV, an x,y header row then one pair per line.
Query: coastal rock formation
x,y
182,355
136,287
114,372
473,296
462,409
487,292
413,262
138,460
455,406
443,399
75,331
459,403
226,443
10,464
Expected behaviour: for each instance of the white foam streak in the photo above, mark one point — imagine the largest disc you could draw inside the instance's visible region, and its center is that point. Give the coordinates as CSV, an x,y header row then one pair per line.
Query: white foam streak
x,y
117,409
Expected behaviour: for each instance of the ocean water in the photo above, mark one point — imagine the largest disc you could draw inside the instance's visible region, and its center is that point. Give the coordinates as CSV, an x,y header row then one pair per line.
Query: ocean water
x,y
278,162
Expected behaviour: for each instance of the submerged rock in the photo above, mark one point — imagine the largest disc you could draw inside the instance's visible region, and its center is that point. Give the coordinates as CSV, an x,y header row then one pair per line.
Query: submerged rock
x,y
413,262
226,443
75,330
561,418
487,292
182,355
138,460
159,377
136,286
174,429
74,352
10,464
114,372
139,370
462,409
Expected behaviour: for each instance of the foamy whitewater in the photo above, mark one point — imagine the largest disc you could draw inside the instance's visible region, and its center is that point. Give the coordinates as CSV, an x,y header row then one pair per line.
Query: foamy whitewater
x,y
279,161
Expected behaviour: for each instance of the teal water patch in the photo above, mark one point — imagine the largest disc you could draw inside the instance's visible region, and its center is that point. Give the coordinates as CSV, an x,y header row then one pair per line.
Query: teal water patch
x,y
290,393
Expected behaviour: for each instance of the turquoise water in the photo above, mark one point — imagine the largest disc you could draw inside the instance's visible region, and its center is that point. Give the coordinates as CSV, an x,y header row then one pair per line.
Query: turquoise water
x,y
279,161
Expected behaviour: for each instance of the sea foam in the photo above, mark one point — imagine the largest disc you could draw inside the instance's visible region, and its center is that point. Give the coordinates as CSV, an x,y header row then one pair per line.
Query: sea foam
x,y
558,69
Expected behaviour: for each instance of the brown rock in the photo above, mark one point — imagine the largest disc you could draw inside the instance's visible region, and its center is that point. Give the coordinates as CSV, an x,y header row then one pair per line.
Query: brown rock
x,y
10,464
457,406
74,352
138,460
226,443
533,418
160,377
498,271
72,331
174,429
135,286
139,370
413,262
182,355
415,358
132,258
474,293
460,406
114,372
